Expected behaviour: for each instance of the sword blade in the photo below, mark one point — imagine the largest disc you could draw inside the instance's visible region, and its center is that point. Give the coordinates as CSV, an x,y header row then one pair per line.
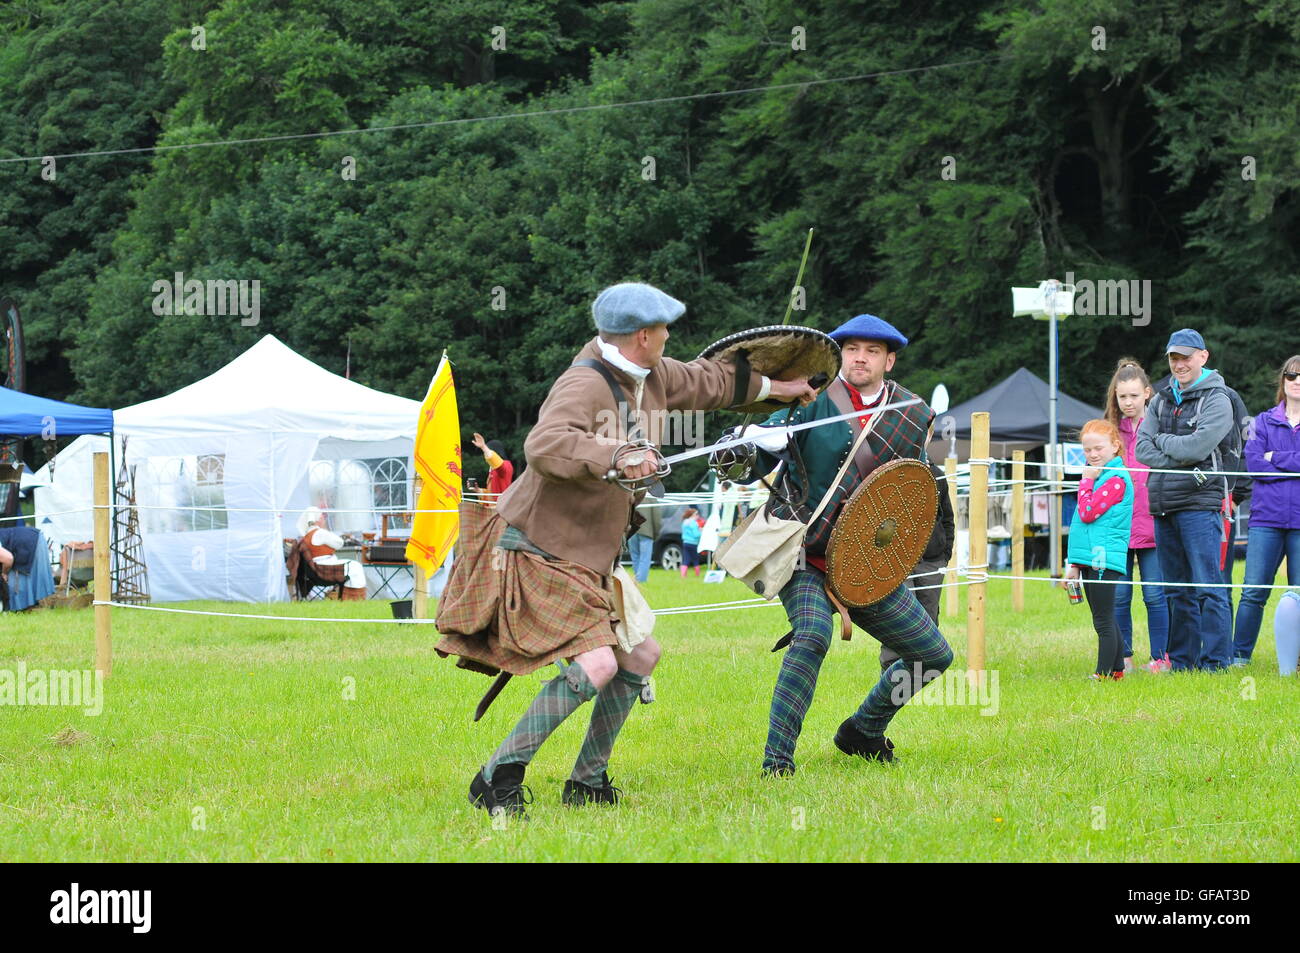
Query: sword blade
x,y
741,441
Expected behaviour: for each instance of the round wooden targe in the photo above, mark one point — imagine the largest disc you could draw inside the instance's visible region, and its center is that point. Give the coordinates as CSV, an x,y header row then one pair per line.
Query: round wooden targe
x,y
881,532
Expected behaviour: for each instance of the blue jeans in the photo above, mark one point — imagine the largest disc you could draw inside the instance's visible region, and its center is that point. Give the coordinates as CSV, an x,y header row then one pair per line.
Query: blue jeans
x,y
1200,622
1155,597
641,548
1265,549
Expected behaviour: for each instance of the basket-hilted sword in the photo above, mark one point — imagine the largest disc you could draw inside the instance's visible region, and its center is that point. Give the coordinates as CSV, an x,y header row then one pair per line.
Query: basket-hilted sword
x,y
666,463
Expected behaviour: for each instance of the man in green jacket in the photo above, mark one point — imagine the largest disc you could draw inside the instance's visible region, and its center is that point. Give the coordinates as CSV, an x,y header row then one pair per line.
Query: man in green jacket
x,y
868,348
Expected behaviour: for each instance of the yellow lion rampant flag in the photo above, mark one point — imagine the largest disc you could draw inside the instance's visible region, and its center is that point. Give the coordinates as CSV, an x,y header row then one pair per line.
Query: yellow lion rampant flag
x,y
437,461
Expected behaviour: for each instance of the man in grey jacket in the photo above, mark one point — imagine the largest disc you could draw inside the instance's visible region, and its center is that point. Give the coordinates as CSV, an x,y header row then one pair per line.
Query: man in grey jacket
x,y
1189,427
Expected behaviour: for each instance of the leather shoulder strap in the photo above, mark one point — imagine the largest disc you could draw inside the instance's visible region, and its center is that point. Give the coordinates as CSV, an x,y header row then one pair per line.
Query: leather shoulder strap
x,y
620,396
615,388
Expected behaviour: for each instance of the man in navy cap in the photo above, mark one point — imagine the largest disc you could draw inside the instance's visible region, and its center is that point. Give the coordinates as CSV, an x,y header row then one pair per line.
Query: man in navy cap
x,y
868,349
1189,428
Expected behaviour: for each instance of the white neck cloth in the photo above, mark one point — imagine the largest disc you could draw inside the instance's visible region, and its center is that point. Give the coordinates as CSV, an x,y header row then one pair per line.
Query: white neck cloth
x,y
615,357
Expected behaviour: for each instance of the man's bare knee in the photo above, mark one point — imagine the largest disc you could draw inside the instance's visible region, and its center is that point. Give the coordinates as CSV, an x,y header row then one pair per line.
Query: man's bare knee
x,y
599,664
642,659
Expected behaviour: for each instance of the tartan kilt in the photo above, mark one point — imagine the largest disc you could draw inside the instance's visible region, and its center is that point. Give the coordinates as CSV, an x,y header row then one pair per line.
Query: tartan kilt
x,y
515,611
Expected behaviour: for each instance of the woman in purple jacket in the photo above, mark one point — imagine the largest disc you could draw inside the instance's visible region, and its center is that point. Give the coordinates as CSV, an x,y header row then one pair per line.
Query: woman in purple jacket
x,y
1273,448
1126,402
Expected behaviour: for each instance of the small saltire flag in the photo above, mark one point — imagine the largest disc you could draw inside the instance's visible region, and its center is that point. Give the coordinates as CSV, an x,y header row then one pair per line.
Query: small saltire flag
x,y
437,461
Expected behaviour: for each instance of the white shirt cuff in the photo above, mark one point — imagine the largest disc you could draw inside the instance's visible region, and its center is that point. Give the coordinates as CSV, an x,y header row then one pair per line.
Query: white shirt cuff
x,y
771,439
765,389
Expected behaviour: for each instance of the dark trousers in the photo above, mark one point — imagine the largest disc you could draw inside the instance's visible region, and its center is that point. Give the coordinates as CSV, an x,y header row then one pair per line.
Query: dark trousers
x,y
1101,601
896,620
924,576
1267,547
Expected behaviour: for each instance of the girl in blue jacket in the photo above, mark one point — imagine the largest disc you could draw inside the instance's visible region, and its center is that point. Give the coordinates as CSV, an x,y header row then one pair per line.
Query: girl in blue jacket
x,y
1099,538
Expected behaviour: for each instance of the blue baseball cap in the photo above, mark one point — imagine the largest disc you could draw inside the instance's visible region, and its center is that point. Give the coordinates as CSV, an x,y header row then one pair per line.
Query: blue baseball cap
x,y
868,327
1185,342
622,309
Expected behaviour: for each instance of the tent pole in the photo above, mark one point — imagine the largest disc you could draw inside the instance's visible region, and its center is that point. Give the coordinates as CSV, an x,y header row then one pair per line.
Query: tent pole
x,y
112,516
1054,520
420,595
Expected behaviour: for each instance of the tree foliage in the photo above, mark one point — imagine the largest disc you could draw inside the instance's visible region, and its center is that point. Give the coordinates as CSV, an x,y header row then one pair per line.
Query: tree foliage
x,y
1164,152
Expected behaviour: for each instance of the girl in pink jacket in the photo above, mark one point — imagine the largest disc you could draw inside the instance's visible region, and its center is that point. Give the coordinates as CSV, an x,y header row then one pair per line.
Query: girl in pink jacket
x,y
1126,402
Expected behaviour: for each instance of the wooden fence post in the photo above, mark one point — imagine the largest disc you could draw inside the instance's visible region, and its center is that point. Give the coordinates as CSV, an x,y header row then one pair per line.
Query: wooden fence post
x,y
103,570
979,546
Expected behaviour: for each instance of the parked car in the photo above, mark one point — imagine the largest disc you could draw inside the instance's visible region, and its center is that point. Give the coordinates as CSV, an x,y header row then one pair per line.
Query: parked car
x,y
667,552
668,544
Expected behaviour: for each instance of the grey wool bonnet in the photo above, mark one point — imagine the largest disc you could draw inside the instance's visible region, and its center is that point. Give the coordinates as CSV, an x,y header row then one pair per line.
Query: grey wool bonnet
x,y
628,307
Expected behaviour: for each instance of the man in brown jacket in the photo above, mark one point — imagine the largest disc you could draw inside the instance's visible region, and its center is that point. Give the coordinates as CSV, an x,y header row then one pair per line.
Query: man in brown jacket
x,y
561,528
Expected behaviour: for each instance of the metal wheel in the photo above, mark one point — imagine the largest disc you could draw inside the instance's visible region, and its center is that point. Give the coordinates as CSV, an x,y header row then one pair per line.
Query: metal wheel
x,y
671,557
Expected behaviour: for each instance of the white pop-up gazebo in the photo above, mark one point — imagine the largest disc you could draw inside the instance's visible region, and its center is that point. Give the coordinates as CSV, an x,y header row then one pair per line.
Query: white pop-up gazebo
x,y
225,466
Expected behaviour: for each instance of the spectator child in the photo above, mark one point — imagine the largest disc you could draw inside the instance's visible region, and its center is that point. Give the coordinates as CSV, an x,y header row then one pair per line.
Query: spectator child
x,y
1099,538
691,527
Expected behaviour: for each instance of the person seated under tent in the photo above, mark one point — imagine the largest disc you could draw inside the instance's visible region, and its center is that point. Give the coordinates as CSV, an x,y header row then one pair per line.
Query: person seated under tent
x,y
322,546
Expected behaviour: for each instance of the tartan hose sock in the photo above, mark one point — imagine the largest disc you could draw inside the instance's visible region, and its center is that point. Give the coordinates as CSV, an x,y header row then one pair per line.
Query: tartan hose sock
x,y
809,612
612,707
558,699
794,693
899,622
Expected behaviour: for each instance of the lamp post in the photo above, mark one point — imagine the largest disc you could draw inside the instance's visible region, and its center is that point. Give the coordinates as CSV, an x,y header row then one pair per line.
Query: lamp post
x,y
1050,301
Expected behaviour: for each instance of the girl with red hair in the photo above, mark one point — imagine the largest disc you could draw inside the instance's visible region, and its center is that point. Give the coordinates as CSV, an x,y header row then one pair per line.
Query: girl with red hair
x,y
1099,538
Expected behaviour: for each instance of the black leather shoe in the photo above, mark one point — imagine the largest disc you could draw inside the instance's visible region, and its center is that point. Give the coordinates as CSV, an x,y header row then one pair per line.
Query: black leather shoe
x,y
852,741
577,794
506,794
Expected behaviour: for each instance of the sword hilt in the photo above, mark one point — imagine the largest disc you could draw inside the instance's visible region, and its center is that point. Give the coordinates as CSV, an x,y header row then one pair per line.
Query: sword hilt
x,y
632,454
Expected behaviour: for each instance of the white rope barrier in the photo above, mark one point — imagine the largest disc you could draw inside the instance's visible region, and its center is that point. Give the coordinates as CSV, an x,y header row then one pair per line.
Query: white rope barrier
x,y
1184,472
753,603
1056,580
253,615
32,516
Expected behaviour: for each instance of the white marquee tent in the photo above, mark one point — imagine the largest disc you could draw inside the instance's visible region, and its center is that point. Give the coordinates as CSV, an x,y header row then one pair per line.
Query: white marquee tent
x,y
269,432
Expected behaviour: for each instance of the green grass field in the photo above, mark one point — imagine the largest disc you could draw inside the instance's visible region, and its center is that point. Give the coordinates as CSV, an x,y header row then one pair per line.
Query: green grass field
x,y
226,739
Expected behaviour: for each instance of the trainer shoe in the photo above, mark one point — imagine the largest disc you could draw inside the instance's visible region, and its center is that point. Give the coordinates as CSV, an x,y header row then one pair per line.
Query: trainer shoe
x,y
577,794
1128,664
850,740
1158,665
507,793
783,770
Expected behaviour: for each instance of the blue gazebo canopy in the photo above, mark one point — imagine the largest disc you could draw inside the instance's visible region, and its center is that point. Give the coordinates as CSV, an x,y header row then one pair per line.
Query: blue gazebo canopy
x,y
26,415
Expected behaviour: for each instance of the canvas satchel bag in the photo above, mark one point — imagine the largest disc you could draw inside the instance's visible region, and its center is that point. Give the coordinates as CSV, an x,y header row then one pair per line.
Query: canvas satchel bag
x,y
764,550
